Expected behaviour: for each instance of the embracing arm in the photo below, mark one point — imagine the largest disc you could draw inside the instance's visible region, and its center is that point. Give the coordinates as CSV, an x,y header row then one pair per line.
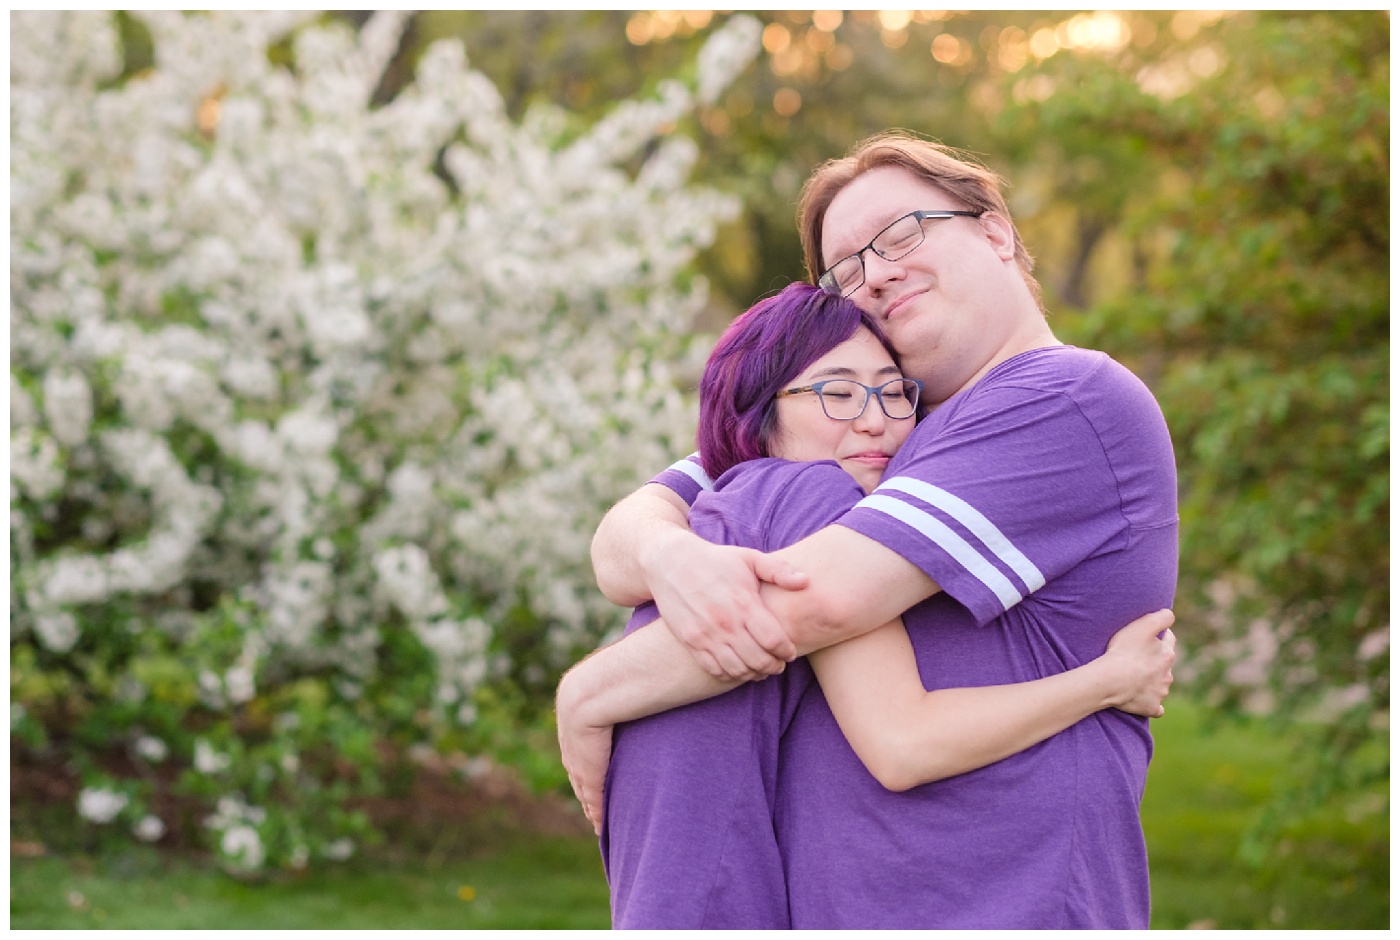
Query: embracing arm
x,y
907,736
644,550
646,672
636,522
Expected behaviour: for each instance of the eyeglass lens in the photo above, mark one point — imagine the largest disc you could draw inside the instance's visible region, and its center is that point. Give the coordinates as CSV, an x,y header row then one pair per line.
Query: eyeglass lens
x,y
845,400
902,236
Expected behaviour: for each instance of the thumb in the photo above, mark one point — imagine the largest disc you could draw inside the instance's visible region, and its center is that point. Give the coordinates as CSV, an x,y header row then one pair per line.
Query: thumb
x,y
778,572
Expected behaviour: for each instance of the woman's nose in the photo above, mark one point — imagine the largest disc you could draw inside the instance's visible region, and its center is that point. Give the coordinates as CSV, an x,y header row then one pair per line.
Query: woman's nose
x,y
872,419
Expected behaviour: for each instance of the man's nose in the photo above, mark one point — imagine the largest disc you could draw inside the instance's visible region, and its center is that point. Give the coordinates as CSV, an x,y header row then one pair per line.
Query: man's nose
x,y
879,270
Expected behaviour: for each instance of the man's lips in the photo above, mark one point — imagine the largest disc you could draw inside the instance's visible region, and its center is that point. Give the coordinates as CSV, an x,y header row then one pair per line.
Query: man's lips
x,y
899,304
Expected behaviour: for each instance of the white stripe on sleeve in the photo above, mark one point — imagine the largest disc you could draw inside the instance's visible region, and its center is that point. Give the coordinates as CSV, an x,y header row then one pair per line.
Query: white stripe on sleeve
x,y
948,540
976,523
692,469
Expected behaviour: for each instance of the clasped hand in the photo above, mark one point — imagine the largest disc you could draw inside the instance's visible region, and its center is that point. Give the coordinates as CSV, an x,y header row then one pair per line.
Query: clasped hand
x,y
709,597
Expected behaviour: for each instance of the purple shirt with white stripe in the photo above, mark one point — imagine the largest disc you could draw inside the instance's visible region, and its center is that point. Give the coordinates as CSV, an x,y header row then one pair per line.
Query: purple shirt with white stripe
x,y
1043,502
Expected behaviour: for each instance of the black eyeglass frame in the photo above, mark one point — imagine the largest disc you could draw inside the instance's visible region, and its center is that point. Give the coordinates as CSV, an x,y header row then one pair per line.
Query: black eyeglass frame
x,y
827,281
869,392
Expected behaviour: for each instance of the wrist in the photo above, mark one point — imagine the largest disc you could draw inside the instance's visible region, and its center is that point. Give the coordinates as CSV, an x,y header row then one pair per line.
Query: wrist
x,y
576,702
1106,683
660,551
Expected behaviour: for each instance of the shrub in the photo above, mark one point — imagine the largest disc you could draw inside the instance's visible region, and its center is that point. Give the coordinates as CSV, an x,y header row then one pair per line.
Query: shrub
x,y
315,402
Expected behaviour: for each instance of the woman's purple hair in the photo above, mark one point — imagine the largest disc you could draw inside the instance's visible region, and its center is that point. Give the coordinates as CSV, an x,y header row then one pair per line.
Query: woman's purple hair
x,y
759,355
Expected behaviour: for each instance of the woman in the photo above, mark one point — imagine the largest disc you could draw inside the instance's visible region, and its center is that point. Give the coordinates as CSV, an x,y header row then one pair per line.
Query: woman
x,y
802,405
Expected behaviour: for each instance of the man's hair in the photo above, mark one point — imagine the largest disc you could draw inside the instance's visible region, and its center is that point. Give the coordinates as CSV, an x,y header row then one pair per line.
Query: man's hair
x,y
760,354
956,174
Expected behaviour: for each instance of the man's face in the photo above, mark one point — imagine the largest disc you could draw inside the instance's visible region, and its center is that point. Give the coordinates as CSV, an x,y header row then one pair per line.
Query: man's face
x,y
949,306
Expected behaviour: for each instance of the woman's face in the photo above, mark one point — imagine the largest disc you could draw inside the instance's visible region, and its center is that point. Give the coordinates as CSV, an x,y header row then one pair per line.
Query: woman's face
x,y
862,446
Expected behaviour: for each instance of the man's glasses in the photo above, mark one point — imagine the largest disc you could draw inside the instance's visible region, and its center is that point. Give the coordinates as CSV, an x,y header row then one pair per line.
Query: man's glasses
x,y
895,241
845,399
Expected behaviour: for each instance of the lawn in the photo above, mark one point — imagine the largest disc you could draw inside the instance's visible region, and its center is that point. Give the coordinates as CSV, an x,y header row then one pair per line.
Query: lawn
x,y
1331,871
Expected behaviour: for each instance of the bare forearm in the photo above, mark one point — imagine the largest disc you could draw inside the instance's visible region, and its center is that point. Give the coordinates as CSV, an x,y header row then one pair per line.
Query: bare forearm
x,y
855,586
634,525
907,736
647,672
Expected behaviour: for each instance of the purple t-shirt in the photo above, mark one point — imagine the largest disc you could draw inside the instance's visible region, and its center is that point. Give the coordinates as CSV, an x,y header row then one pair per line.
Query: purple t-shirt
x,y
689,838
1043,502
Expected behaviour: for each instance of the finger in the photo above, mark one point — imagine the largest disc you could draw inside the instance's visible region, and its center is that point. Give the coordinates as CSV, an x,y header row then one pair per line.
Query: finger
x,y
778,572
1155,622
732,665
759,661
1169,638
769,634
709,664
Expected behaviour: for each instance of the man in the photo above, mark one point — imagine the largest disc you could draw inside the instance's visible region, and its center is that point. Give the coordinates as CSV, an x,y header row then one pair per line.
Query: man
x,y
1026,519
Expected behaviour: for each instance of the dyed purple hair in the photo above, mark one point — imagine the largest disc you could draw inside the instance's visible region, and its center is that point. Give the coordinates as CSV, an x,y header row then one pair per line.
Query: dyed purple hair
x,y
759,355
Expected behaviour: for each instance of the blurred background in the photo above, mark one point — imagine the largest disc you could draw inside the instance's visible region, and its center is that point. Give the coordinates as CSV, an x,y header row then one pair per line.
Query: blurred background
x,y
332,336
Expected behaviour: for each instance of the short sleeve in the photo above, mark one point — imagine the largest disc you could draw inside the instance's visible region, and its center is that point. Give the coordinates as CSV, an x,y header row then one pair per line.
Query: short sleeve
x,y
686,478
1012,491
815,496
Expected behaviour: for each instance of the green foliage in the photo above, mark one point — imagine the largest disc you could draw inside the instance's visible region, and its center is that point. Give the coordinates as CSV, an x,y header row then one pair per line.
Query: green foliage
x,y
1254,204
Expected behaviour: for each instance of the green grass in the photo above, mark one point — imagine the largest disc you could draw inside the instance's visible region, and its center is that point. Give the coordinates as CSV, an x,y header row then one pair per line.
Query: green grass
x,y
1331,870
531,882
1205,788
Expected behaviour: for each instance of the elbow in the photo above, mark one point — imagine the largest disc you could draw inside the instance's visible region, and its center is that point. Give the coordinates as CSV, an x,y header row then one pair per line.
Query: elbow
x,y
612,585
901,762
893,777
894,762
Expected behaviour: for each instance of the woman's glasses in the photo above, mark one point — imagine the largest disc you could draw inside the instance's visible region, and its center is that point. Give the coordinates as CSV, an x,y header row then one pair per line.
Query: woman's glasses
x,y
845,399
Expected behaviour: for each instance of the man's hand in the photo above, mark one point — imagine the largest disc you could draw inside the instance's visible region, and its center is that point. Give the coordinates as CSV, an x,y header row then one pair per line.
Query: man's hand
x,y
708,595
585,750
1142,663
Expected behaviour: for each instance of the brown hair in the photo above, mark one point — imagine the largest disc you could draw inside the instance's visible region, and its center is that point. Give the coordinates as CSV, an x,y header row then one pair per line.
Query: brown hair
x,y
970,183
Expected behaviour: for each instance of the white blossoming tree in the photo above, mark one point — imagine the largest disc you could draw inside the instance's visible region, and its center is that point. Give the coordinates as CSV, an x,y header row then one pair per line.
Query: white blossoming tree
x,y
314,403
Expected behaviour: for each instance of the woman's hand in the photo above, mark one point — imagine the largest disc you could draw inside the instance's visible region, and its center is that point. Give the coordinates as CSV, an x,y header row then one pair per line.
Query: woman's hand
x,y
708,596
1140,664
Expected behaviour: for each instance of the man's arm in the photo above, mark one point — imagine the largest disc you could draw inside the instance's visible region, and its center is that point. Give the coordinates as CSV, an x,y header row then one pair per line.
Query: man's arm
x,y
635,522
708,594
646,672
855,584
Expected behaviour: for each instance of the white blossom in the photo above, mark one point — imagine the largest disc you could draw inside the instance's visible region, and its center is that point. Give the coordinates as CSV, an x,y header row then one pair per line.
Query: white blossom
x,y
207,760
243,846
148,828
100,805
339,850
151,748
58,630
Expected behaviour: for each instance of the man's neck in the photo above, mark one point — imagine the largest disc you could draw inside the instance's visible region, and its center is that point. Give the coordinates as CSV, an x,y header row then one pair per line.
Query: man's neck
x,y
1036,335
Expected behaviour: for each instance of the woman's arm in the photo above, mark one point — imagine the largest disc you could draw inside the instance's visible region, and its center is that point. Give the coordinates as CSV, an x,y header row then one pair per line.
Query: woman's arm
x,y
907,736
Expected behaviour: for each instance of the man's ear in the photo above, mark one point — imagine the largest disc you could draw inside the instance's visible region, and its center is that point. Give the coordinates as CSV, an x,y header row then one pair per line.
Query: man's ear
x,y
1000,234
